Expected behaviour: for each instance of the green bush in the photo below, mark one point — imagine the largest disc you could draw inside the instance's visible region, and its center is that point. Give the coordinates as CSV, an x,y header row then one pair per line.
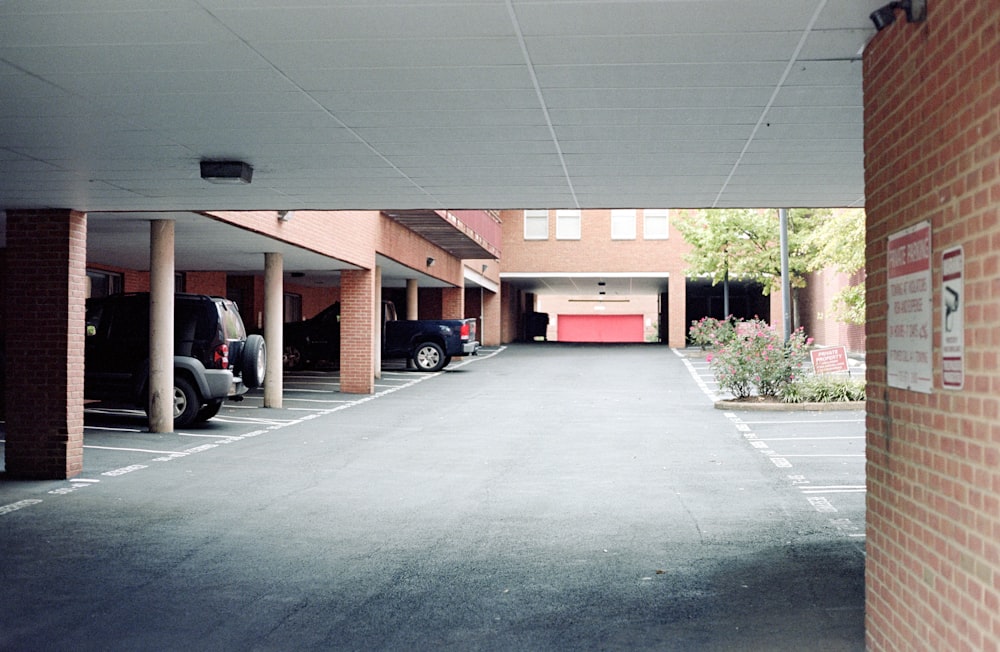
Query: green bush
x,y
823,389
708,332
755,359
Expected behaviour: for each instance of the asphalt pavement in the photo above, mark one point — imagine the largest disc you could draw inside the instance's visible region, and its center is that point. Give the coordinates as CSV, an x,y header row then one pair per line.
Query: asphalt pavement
x,y
539,497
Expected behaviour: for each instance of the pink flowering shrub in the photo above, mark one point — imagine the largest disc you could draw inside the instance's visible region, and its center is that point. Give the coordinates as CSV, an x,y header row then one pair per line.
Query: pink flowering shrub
x,y
707,332
754,360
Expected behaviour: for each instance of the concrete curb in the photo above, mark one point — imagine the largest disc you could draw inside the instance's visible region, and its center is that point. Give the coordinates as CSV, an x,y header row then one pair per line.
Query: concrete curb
x,y
750,406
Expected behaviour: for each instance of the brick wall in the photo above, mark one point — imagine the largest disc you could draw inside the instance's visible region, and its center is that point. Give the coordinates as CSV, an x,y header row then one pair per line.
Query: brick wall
x,y
46,286
932,152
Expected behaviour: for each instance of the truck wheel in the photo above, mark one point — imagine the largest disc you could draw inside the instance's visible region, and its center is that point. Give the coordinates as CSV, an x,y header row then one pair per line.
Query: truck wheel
x,y
429,357
292,359
254,361
186,403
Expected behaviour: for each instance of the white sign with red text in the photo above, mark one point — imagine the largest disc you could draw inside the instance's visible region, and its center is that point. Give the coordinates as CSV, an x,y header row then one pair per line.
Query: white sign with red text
x,y
953,318
910,320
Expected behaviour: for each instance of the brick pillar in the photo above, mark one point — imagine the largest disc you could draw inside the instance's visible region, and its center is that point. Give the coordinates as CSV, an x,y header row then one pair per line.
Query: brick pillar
x,y
453,303
357,333
677,311
46,280
491,319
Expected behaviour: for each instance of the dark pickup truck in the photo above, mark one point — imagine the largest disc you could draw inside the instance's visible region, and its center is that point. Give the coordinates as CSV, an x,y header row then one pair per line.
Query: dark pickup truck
x,y
429,343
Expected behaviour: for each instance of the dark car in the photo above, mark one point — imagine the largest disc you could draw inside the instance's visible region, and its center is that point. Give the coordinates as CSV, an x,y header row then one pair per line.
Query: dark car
x,y
214,358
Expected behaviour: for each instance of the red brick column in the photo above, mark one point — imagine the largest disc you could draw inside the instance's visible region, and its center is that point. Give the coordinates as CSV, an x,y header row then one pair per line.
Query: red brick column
x,y
453,303
491,319
357,331
46,279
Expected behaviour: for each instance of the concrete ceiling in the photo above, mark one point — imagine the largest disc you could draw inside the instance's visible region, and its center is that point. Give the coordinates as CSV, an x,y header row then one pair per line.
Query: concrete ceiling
x,y
109,105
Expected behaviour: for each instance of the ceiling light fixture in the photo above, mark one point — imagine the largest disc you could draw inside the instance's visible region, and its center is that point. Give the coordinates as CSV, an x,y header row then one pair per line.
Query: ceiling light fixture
x,y
916,12
231,172
285,216
430,261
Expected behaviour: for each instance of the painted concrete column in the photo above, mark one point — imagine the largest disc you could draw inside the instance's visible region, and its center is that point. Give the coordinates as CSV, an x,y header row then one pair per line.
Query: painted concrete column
x,y
161,326
46,289
412,299
274,306
357,350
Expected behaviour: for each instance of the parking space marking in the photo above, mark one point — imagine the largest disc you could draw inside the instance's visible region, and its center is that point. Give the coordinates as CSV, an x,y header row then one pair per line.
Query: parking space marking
x,y
809,438
268,425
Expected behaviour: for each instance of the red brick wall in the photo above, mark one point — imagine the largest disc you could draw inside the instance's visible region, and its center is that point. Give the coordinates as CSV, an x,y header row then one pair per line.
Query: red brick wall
x,y
932,152
595,251
817,315
46,283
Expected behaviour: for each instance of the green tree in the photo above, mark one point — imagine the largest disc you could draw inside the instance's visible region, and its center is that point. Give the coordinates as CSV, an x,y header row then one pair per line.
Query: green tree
x,y
745,243
839,243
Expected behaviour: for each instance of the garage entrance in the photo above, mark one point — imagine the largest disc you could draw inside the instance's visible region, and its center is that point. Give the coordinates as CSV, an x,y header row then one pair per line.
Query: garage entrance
x,y
600,328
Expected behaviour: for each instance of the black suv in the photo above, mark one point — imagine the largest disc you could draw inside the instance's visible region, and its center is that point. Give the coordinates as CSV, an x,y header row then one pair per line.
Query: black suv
x,y
214,358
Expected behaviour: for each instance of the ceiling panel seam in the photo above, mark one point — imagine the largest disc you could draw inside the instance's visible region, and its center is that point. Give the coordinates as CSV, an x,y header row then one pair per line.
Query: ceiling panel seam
x,y
774,96
541,100
374,150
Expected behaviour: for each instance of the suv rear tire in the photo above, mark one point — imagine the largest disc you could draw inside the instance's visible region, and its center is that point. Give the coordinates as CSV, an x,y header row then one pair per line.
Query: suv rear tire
x,y
253,361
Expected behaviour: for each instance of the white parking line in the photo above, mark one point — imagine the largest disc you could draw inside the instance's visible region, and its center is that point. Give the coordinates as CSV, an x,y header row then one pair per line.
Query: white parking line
x,y
808,438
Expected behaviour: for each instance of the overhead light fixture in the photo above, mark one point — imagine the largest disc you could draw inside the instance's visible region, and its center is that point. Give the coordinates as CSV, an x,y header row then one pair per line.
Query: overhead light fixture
x,y
285,216
916,12
233,172
430,261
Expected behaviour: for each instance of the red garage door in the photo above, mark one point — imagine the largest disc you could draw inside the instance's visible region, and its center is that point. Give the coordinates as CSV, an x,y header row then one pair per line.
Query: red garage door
x,y
600,328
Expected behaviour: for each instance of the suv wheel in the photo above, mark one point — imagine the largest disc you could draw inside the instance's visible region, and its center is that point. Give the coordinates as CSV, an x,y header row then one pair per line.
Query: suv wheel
x,y
253,361
186,403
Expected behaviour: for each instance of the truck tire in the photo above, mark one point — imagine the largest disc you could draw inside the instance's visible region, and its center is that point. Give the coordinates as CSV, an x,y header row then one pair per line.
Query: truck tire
x,y
253,361
429,357
292,360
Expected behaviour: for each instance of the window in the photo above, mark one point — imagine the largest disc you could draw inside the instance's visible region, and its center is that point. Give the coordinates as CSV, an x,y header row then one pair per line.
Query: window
x,y
623,224
567,225
104,284
536,225
292,307
656,224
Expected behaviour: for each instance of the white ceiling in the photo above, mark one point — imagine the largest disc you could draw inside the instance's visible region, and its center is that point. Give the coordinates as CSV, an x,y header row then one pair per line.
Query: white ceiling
x,y
108,105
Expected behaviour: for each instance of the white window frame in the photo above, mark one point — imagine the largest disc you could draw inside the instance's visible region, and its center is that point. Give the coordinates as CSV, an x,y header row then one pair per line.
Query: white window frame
x,y
656,224
536,225
623,224
568,225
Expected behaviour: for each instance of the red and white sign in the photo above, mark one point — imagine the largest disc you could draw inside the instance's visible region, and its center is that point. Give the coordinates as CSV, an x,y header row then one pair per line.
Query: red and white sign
x,y
829,360
953,318
910,310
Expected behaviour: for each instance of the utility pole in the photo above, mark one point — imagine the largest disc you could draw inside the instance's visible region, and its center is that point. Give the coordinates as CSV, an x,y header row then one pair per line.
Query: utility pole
x,y
786,285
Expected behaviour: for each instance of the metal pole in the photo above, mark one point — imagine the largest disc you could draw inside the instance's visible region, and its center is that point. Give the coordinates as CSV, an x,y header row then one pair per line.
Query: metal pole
x,y
786,286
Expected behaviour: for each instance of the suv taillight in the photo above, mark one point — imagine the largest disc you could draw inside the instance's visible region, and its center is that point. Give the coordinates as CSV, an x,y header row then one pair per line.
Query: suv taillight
x,y
465,331
221,356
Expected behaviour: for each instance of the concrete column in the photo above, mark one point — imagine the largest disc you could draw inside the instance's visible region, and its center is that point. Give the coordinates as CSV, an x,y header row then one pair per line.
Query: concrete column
x,y
274,306
377,322
161,326
46,289
412,299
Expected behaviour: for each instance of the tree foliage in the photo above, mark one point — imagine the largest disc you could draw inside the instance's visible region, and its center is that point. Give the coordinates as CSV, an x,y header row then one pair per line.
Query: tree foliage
x,y
745,243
